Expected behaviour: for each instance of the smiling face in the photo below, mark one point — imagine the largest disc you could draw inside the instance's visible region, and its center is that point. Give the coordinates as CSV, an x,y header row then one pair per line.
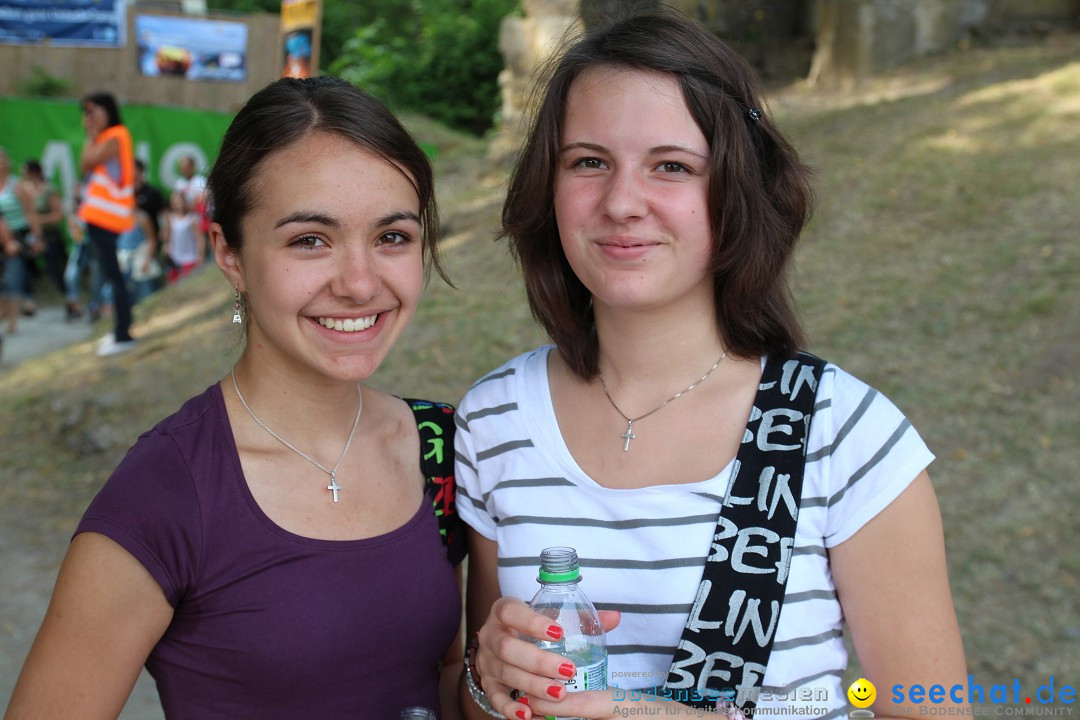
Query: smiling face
x,y
862,693
331,259
631,192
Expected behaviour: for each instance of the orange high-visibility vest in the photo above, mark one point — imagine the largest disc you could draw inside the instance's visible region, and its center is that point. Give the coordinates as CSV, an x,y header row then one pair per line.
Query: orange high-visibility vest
x,y
109,198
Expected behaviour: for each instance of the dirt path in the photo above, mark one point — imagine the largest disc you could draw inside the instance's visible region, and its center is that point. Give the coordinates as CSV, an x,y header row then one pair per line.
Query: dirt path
x,y
30,553
46,331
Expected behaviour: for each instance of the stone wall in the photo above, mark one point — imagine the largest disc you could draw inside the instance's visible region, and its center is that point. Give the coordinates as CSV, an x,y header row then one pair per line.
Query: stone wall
x,y
525,42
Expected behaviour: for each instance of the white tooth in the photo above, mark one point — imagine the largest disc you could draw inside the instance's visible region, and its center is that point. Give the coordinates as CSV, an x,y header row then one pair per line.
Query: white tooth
x,y
322,321
349,325
369,321
338,325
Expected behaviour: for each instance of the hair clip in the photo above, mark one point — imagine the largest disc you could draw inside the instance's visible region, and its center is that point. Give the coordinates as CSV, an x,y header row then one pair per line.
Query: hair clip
x,y
754,114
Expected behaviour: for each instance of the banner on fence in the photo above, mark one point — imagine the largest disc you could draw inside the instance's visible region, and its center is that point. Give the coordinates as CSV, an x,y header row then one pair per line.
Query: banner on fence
x,y
191,48
299,29
81,23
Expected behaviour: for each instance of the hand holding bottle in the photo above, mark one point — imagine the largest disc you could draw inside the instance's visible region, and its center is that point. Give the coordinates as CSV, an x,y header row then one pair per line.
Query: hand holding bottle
x,y
531,657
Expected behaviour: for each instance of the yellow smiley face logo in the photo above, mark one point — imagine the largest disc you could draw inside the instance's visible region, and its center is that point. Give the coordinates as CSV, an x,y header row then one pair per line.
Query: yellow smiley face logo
x,y
862,693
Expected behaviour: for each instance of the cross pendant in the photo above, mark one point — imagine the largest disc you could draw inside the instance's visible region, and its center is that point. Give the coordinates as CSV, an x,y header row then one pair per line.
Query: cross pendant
x,y
333,486
628,435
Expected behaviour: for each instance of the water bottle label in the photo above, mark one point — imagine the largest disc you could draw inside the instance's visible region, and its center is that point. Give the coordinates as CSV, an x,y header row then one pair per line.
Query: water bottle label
x,y
589,677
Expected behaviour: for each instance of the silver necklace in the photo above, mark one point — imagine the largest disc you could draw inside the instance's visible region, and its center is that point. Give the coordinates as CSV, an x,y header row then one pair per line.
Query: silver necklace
x,y
629,434
333,486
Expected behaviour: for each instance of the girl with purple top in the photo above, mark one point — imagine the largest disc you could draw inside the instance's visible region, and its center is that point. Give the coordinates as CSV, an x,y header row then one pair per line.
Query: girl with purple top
x,y
272,549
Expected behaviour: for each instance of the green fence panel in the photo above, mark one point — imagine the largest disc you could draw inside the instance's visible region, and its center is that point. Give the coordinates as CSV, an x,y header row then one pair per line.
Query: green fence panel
x,y
51,132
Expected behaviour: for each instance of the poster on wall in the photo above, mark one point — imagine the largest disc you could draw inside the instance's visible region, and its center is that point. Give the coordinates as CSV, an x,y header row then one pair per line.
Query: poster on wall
x,y
194,49
299,21
77,23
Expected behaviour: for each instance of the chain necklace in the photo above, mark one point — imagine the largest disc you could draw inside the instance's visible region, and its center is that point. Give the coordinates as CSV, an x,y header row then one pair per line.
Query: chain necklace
x,y
629,434
333,486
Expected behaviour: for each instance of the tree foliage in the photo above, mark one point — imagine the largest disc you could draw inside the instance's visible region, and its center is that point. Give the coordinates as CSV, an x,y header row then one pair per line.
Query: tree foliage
x,y
437,57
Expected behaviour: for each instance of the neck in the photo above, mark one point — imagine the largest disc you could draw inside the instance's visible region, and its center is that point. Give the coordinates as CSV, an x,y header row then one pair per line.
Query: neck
x,y
655,351
308,411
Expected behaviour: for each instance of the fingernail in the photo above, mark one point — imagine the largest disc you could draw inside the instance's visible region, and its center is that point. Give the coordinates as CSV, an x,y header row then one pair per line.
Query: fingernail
x,y
523,700
553,691
520,714
554,632
566,670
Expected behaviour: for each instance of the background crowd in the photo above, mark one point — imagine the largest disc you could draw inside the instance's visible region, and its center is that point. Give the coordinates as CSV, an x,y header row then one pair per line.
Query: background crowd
x,y
44,242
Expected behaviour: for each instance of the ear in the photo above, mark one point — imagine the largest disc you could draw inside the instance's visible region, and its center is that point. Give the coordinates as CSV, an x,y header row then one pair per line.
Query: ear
x,y
226,258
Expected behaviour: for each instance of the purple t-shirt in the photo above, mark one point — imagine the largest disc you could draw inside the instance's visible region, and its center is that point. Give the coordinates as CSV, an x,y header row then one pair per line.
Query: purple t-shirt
x,y
269,624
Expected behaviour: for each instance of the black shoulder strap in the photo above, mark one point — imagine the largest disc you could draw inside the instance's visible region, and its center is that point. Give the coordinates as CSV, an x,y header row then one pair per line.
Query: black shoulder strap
x,y
725,646
435,422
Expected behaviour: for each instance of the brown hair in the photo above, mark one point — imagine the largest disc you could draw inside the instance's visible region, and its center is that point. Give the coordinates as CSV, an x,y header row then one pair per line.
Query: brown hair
x,y
759,194
289,109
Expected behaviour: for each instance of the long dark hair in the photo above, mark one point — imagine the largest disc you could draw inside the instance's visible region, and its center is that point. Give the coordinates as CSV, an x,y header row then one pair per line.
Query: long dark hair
x,y
289,109
108,103
759,194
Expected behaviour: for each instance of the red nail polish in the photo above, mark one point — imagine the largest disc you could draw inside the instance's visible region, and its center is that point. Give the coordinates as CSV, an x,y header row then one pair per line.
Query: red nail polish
x,y
566,670
520,714
554,632
554,690
523,700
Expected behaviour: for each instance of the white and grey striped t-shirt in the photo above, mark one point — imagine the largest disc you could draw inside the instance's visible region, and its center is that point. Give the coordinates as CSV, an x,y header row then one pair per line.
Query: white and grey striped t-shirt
x,y
642,551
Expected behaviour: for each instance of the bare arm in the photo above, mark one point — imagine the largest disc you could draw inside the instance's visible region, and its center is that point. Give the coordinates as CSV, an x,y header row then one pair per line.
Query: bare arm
x,y
7,241
105,616
165,233
147,228
451,671
893,585
22,194
55,213
200,241
94,153
482,590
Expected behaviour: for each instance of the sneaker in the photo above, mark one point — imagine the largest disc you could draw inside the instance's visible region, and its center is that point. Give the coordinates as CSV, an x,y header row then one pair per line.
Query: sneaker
x,y
106,339
112,347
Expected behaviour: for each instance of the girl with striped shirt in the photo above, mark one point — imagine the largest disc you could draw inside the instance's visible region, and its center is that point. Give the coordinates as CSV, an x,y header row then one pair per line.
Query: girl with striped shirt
x,y
653,212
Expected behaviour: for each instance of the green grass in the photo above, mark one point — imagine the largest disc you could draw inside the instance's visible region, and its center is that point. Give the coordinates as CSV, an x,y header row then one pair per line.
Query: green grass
x,y
942,267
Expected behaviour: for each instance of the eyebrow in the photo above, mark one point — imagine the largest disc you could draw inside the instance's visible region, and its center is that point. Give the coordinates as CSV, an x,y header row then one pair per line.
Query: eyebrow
x,y
657,150
395,218
304,216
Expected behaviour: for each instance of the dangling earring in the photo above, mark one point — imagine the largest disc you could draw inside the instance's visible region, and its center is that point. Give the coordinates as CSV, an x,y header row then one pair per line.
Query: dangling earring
x,y
237,307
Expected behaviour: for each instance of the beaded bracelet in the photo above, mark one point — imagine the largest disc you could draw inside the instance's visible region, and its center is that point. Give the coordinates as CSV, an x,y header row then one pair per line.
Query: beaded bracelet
x,y
472,679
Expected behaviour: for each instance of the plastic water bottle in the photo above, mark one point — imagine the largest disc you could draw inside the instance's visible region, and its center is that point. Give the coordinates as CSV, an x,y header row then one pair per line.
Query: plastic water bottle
x,y
417,713
561,599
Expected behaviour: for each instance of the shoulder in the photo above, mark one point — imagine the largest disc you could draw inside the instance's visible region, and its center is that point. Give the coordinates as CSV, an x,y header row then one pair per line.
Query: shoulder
x,y
504,380
116,132
193,429
861,452
847,399
153,504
